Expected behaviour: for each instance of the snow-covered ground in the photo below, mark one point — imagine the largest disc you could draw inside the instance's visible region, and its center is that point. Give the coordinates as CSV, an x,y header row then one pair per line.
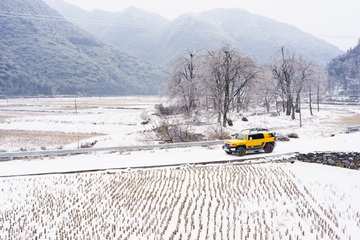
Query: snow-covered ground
x,y
244,198
269,200
117,121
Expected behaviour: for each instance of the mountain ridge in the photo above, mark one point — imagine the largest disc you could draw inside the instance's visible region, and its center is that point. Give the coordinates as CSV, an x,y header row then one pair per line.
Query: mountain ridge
x,y
344,71
43,53
253,34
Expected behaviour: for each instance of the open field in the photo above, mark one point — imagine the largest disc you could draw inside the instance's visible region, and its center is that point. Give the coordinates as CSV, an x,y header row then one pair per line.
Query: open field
x,y
116,121
25,140
256,201
246,200
33,118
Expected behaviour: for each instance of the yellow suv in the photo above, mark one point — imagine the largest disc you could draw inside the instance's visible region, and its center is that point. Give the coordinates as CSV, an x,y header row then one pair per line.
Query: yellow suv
x,y
250,140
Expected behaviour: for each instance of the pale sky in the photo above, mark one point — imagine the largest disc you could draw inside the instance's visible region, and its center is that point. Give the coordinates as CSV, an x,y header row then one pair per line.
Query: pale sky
x,y
335,21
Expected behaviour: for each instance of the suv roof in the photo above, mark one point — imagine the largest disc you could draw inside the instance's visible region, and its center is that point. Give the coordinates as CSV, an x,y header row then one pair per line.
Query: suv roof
x,y
254,130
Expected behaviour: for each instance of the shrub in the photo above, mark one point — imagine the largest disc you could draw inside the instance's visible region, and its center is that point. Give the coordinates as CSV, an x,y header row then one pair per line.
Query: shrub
x,y
176,133
282,138
88,145
219,133
293,135
164,110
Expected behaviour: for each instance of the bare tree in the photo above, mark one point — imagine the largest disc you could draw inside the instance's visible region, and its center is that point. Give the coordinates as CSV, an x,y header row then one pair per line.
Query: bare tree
x,y
181,84
320,84
303,76
317,82
284,70
309,87
267,86
225,73
291,72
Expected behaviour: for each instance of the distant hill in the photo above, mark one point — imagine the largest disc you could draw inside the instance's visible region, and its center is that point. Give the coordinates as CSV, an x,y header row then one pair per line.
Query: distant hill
x,y
42,53
344,71
153,38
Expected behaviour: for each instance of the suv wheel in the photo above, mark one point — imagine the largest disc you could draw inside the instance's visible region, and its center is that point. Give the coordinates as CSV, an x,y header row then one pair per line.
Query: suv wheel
x,y
240,151
268,148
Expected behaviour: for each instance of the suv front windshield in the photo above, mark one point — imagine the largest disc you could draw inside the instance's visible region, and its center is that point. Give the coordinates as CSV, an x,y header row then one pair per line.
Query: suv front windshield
x,y
240,136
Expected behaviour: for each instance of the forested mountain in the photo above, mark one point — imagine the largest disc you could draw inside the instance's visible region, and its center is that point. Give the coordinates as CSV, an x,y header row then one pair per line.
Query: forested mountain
x,y
42,53
153,38
344,71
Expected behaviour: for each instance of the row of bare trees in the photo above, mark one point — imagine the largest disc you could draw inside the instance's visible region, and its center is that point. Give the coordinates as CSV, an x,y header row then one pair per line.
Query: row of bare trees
x,y
227,79
294,75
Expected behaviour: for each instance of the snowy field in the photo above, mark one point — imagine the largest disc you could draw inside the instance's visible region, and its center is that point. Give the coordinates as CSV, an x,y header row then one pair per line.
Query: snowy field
x,y
242,201
53,123
246,198
117,118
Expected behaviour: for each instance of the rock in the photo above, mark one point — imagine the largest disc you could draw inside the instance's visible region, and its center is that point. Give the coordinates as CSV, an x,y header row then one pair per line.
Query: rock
x,y
331,162
346,163
340,159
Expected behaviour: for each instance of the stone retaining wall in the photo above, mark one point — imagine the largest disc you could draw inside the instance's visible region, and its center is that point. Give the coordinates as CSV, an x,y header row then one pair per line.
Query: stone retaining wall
x,y
340,159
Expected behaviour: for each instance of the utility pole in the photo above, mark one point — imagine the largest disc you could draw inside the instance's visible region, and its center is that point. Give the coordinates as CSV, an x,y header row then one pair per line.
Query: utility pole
x,y
300,109
75,107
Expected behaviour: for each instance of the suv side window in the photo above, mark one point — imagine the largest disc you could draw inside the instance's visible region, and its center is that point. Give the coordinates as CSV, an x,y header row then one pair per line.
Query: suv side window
x,y
256,136
260,136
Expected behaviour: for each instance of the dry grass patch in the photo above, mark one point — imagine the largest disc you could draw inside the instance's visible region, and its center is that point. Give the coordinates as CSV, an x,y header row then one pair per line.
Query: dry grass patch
x,y
108,104
11,105
4,118
344,119
19,113
25,140
351,120
333,125
70,108
92,101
